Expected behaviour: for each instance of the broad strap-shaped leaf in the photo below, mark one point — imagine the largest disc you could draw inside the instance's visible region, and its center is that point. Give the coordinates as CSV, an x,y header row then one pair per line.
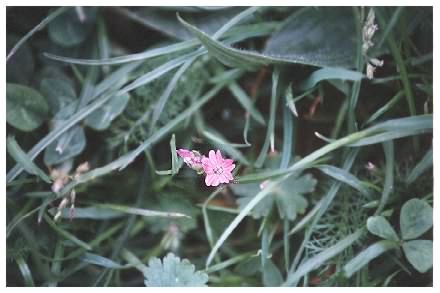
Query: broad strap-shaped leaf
x,y
26,108
419,254
173,272
379,226
323,37
415,218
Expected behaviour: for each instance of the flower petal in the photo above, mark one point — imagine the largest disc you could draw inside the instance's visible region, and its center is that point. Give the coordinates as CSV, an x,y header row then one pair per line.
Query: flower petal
x,y
229,168
212,158
216,180
219,157
208,179
183,153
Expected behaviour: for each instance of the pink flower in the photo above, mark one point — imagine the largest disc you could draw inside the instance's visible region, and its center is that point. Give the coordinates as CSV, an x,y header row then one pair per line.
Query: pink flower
x,y
192,158
217,169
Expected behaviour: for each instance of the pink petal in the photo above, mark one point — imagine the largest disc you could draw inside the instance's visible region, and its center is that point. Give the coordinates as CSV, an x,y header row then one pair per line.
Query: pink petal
x,y
219,157
216,181
208,179
228,162
212,158
224,178
229,176
229,168
184,153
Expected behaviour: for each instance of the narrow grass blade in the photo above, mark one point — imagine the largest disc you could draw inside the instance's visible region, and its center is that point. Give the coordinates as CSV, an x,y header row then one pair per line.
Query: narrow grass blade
x,y
127,58
15,151
246,102
133,260
160,104
345,177
142,212
66,234
25,271
424,164
272,117
385,107
330,73
287,138
38,27
388,148
363,258
101,261
314,262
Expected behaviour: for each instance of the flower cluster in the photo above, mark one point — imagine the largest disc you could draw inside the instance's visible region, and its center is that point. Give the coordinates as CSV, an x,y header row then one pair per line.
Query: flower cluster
x,y
215,167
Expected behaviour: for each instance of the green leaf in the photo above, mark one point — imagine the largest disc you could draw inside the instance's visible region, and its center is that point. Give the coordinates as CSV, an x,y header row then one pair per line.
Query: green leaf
x,y
68,29
288,196
323,36
174,204
26,108
101,118
320,37
379,226
320,258
345,177
66,234
330,73
58,92
142,212
166,22
367,255
15,151
419,254
69,145
415,218
424,164
271,275
98,260
173,272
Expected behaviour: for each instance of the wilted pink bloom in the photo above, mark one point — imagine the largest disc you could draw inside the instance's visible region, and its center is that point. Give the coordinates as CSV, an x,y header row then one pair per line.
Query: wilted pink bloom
x,y
217,169
192,158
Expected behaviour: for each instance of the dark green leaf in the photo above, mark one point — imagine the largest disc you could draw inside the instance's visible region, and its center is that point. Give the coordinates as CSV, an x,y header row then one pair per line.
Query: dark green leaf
x,y
26,108
58,92
69,30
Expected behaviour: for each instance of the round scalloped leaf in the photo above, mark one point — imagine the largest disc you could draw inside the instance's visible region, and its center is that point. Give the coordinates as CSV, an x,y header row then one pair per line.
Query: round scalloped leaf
x,y
68,29
173,272
415,218
26,108
419,254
